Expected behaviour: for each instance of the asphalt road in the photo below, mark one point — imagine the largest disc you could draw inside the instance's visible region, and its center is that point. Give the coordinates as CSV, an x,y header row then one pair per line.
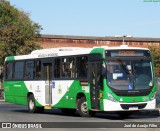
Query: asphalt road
x,y
17,113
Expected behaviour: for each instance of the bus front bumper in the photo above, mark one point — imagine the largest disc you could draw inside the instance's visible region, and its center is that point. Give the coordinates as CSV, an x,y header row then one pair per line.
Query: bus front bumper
x,y
121,106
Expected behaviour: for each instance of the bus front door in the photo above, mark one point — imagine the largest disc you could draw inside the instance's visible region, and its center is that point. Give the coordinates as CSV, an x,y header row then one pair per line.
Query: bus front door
x,y
48,90
95,84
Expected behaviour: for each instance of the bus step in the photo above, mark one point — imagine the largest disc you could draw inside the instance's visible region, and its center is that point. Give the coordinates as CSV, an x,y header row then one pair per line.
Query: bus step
x,y
95,110
47,107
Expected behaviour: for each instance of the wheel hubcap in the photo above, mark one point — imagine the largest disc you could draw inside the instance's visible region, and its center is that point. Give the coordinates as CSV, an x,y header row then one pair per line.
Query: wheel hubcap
x,y
31,104
84,108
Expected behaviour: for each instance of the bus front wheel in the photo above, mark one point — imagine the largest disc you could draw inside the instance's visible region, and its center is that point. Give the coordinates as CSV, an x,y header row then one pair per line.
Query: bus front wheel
x,y
83,109
32,105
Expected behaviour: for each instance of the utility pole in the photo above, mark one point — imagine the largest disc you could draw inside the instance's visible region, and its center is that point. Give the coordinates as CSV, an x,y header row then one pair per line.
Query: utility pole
x,y
123,38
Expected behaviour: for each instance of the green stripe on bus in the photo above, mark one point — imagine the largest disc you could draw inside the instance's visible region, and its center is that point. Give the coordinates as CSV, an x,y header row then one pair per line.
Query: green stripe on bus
x,y
99,51
10,58
69,99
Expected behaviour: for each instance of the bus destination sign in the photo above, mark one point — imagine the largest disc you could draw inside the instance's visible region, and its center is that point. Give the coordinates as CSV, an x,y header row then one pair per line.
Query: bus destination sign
x,y
117,53
126,53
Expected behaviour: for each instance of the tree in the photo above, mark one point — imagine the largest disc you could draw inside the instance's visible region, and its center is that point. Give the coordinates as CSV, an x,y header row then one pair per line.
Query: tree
x,y
18,34
155,51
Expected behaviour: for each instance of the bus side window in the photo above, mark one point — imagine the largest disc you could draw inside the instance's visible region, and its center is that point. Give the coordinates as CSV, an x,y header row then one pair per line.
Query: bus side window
x,y
72,67
81,67
29,70
57,68
9,70
67,67
18,70
38,69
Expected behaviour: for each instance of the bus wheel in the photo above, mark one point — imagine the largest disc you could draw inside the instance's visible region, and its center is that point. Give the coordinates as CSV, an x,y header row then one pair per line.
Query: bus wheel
x,y
31,104
83,109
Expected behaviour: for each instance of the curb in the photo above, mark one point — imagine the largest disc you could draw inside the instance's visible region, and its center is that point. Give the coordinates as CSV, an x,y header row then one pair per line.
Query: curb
x,y
1,100
155,112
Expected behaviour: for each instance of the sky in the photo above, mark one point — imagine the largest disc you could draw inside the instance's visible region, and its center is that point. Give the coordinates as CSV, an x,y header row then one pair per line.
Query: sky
x,y
137,18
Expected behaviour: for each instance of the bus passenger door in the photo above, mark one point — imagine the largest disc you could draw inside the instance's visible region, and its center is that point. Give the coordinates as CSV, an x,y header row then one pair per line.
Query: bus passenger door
x,y
95,74
47,77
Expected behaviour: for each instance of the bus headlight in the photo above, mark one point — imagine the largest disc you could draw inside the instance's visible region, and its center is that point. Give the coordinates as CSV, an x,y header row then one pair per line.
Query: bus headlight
x,y
111,98
153,96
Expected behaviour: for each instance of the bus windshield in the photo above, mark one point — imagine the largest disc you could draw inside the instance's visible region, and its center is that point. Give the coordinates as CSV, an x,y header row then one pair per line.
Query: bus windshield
x,y
129,75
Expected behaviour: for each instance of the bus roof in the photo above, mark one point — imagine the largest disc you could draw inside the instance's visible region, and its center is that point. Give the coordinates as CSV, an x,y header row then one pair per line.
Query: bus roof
x,y
51,52
77,49
124,47
66,51
58,50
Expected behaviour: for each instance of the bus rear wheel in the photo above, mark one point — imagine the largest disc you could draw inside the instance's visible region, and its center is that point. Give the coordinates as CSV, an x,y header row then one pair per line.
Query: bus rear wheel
x,y
83,109
32,105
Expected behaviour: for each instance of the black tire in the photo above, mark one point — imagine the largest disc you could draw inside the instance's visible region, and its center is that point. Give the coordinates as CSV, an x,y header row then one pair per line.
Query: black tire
x,y
32,105
68,112
83,109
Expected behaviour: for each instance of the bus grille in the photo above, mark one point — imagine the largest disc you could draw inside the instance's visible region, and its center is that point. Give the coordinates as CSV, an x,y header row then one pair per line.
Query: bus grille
x,y
140,106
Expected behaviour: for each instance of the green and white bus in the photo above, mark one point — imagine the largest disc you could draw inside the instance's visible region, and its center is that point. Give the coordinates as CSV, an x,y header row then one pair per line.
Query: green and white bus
x,y
119,79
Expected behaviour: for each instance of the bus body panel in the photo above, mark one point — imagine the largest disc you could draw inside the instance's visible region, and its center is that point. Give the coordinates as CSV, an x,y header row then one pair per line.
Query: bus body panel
x,y
15,92
64,92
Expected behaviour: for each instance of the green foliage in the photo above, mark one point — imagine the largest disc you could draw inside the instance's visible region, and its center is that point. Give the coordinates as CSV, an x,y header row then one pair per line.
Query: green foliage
x,y
18,34
155,50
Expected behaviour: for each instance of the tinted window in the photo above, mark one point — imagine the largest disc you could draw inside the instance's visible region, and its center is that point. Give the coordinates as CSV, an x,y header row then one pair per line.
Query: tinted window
x,y
67,67
29,70
81,66
9,70
38,69
57,68
18,70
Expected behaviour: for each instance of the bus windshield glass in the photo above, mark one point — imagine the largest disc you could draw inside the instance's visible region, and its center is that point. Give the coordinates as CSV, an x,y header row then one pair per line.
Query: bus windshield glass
x,y
129,74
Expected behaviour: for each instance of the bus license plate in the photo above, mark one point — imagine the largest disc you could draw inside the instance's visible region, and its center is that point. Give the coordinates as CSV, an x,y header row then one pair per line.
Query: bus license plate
x,y
133,108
